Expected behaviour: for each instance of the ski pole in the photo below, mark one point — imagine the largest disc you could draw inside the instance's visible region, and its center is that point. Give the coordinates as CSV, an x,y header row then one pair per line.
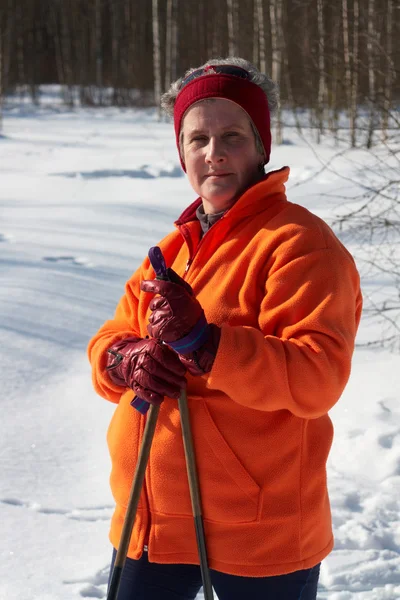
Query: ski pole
x,y
195,495
141,406
158,263
133,502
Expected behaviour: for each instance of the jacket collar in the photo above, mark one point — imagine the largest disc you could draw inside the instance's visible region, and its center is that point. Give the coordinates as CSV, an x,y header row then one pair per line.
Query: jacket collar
x,y
255,199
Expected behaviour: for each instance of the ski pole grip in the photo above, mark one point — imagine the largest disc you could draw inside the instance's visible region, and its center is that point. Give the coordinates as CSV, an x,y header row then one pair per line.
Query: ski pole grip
x,y
160,268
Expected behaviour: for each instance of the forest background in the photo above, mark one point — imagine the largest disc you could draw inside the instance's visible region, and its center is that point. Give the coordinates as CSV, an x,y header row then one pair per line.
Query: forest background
x,y
326,56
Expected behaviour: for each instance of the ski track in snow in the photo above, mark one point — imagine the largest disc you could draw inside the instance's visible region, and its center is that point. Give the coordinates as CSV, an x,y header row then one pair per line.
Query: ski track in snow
x,y
74,260
79,213
91,513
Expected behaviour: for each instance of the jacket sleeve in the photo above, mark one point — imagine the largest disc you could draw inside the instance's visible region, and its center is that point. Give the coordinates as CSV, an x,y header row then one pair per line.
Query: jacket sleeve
x,y
312,304
124,324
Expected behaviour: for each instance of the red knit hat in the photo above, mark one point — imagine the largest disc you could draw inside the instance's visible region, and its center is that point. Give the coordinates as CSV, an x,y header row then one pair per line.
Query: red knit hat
x,y
243,92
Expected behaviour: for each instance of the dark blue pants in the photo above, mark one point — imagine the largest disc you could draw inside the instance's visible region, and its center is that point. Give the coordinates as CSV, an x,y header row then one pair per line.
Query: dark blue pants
x,y
143,580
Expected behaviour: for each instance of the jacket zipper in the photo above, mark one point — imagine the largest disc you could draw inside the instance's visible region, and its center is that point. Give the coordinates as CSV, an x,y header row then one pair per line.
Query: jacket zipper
x,y
187,267
190,260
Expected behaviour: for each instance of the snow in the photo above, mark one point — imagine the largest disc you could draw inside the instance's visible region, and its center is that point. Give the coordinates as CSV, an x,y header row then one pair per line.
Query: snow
x,y
83,196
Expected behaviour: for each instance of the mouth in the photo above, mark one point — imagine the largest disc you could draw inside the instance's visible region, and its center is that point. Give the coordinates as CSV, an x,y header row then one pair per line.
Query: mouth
x,y
218,175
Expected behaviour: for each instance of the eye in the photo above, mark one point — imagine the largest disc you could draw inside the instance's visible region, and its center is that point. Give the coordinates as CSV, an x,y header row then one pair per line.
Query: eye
x,y
232,135
198,138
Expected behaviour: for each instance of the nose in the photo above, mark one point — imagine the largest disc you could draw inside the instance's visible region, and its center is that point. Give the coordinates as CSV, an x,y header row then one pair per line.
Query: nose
x,y
215,151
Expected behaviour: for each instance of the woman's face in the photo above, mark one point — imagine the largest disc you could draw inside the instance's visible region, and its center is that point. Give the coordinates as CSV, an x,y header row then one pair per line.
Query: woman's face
x,y
220,152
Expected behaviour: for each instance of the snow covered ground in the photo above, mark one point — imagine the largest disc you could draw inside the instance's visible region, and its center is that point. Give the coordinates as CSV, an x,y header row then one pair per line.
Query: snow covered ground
x,y
83,195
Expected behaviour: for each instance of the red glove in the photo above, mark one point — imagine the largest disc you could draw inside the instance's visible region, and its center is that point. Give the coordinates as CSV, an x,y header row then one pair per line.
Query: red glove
x,y
175,312
151,369
178,319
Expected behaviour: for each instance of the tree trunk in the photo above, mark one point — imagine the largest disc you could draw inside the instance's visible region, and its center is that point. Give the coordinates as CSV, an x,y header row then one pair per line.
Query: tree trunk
x,y
174,41
346,50
156,57
20,50
115,37
8,36
387,100
276,43
256,40
66,52
1,79
371,71
55,33
98,51
261,36
334,99
232,21
170,44
354,81
286,70
321,100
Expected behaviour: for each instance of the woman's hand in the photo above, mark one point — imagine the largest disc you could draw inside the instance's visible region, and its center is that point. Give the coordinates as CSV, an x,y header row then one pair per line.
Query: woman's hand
x,y
178,320
151,369
175,311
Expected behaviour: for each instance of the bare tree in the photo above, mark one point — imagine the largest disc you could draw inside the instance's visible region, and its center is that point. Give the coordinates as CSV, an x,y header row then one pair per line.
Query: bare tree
x,y
20,49
371,70
1,75
256,40
346,50
156,56
321,99
231,14
334,86
261,36
276,43
54,33
98,50
170,44
354,82
387,100
66,51
373,227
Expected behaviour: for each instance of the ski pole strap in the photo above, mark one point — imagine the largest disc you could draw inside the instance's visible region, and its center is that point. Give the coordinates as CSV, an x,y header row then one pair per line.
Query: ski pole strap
x,y
141,406
194,339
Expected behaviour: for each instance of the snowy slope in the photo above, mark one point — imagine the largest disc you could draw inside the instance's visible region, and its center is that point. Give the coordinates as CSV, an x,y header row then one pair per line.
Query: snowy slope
x,y
83,195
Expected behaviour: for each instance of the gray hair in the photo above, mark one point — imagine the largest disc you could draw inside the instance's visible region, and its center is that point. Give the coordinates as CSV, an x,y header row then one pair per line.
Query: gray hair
x,y
263,80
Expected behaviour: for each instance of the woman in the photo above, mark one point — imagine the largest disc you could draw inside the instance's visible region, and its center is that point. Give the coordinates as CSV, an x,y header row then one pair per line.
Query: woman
x,y
279,301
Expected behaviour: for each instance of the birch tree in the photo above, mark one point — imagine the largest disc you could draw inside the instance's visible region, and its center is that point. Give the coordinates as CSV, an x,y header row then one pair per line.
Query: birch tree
x,y
334,92
276,68
261,36
346,50
371,70
20,49
231,6
256,35
156,57
168,44
387,100
354,82
1,76
98,50
321,98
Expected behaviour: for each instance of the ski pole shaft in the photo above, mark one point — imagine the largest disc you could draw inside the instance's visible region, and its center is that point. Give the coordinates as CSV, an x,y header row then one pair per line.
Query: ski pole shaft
x,y
195,495
133,502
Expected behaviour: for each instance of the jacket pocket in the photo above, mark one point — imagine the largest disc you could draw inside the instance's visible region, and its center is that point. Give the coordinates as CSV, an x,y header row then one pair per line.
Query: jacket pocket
x,y
228,492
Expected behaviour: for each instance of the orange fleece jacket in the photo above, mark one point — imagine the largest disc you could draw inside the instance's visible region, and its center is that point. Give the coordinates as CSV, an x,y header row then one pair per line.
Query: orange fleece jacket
x,y
286,295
